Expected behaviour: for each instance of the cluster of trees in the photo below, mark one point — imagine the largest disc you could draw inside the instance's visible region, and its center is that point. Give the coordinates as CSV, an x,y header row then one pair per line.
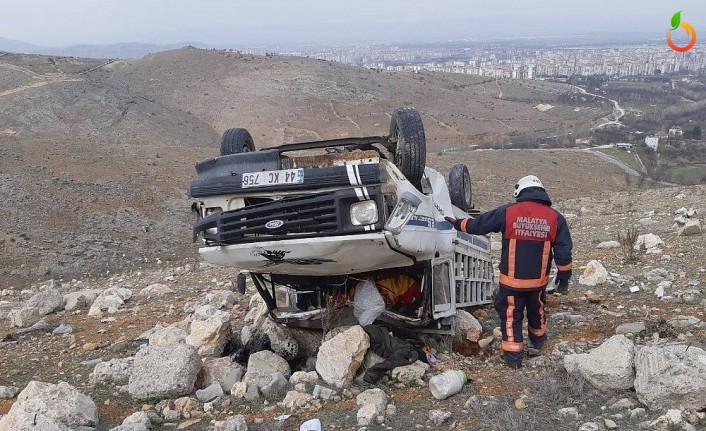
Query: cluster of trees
x,y
694,133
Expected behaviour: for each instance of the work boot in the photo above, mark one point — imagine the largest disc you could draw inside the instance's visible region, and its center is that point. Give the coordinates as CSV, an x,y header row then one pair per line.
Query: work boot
x,y
514,364
536,349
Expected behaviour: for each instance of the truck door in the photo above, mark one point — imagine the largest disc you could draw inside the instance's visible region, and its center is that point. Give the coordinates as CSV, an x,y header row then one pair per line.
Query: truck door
x,y
442,293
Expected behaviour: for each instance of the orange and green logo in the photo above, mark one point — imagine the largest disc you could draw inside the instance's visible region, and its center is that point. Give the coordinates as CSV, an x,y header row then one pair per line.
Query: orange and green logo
x,y
690,33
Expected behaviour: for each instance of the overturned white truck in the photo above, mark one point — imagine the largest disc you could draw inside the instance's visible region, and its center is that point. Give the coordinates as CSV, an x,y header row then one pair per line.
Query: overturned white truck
x,y
316,219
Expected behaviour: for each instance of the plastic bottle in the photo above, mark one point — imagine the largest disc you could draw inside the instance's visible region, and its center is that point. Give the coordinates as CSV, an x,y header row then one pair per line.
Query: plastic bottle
x,y
447,383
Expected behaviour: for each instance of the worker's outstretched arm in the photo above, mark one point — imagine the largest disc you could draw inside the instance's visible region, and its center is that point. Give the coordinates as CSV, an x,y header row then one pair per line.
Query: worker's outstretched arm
x,y
491,221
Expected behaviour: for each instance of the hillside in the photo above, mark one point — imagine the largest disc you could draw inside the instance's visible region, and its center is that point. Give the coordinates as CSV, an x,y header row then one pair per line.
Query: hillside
x,y
289,99
97,154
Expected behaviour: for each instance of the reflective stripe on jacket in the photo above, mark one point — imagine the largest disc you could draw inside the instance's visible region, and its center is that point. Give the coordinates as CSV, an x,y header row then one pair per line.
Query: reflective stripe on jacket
x,y
534,234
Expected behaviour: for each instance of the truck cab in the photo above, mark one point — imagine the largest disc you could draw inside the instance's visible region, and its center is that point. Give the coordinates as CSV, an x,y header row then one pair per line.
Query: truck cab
x,y
310,222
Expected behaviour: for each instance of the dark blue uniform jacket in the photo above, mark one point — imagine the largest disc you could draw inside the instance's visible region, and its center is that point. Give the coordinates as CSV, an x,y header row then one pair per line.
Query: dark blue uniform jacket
x,y
534,234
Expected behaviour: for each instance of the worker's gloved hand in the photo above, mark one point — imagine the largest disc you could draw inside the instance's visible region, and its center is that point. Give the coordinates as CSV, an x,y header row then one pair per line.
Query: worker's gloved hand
x,y
562,286
455,222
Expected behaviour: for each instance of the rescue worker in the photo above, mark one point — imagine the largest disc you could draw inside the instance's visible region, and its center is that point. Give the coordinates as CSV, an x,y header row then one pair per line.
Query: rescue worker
x,y
533,233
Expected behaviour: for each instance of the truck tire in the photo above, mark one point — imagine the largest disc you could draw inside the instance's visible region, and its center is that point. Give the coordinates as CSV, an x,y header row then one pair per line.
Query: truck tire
x,y
235,141
407,132
460,187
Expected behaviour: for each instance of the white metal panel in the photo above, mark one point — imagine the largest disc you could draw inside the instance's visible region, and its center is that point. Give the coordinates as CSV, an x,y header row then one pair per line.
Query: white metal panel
x,y
314,256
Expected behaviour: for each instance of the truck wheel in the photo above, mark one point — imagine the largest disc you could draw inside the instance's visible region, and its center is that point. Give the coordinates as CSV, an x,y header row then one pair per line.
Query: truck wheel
x,y
407,132
236,140
460,187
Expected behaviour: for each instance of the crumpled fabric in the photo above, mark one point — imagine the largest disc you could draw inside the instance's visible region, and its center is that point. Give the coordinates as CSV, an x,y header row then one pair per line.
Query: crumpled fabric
x,y
396,351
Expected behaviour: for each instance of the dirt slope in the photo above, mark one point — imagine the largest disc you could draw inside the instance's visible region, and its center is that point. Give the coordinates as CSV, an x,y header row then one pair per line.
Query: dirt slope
x,y
284,99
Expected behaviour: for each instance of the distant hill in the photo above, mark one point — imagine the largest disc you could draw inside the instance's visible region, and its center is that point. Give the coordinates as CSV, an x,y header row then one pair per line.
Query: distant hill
x,y
118,50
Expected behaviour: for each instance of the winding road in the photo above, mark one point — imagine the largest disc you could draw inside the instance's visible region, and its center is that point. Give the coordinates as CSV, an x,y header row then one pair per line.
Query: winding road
x,y
618,111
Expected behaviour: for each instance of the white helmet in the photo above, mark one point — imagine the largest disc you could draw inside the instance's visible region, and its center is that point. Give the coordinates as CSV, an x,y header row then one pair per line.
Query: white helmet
x,y
525,182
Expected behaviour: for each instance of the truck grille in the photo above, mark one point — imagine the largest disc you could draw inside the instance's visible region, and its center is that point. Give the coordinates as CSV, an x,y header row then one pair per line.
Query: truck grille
x,y
304,217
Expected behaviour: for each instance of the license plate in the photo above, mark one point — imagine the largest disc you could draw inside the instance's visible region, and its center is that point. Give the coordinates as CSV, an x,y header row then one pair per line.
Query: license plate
x,y
272,178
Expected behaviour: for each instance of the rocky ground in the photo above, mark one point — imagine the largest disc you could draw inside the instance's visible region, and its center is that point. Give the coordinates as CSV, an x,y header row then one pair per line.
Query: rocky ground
x,y
145,348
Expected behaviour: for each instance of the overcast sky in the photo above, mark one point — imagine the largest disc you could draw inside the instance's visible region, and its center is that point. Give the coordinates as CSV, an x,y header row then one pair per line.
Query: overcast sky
x,y
239,23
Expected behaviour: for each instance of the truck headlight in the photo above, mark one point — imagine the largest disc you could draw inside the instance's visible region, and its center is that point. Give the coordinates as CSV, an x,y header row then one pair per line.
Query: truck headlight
x,y
364,213
404,210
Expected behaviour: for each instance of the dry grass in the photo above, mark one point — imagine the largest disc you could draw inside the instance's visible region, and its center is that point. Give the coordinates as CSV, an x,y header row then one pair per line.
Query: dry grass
x,y
627,242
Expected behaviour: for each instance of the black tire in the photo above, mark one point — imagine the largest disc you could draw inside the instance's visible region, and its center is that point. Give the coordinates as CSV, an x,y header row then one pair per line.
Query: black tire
x,y
407,132
460,187
235,141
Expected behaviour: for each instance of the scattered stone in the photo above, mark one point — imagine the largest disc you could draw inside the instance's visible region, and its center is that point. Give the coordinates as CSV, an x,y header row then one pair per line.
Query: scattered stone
x,y
637,412
91,346
156,289
209,393
46,302
7,392
568,413
340,357
63,329
238,390
110,300
187,407
262,365
282,341
80,300
623,404
24,317
114,372
674,416
658,275
323,392
594,274
673,376
139,419
485,342
689,296
303,377
222,370
252,392
366,415
164,371
168,336
686,322
607,367
221,299
466,327
590,426
410,373
520,404
690,227
48,406
610,424
575,318
41,326
630,328
376,397
296,400
608,244
235,423
210,335
187,424
276,387
647,242
438,417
